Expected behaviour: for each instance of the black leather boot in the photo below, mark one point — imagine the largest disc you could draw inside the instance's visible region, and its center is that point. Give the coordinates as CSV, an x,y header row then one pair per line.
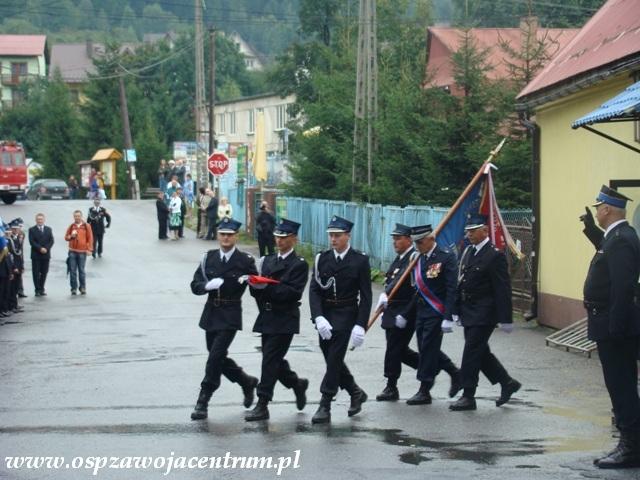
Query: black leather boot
x,y
323,414
389,394
508,389
301,393
422,396
358,397
260,412
248,384
462,404
200,410
625,455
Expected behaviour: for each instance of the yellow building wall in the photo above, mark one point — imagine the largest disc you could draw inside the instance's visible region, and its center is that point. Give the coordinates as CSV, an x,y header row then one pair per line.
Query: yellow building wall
x,y
574,165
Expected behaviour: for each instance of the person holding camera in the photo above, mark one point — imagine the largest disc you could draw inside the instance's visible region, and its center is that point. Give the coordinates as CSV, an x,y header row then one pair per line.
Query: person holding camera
x,y
80,238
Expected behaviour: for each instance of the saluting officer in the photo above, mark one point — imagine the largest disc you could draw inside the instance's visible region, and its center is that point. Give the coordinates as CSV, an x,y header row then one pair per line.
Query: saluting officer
x,y
483,301
399,316
435,280
340,301
612,300
222,276
279,317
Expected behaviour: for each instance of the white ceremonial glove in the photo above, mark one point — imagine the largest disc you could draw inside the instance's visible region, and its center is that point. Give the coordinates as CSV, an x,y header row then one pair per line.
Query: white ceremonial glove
x,y
324,328
214,284
456,320
506,327
447,326
357,336
382,301
401,322
242,279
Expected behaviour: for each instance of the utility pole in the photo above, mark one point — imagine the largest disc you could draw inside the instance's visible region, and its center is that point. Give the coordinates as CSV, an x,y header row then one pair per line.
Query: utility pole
x,y
199,111
212,91
366,107
126,130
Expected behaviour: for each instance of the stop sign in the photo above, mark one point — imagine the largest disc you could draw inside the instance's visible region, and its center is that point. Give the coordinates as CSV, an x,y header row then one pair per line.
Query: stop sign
x,y
218,163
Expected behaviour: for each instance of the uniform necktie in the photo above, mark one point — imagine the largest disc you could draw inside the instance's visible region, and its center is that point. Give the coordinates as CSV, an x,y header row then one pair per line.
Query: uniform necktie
x,y
41,229
339,259
224,259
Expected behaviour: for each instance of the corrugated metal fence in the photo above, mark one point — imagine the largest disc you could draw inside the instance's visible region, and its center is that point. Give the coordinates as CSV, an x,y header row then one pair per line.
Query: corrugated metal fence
x,y
373,223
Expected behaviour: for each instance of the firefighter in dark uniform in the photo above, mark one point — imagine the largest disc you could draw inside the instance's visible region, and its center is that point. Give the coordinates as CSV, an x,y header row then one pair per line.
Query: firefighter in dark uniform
x,y
612,300
6,273
222,275
434,279
279,317
399,316
340,302
96,217
16,242
483,301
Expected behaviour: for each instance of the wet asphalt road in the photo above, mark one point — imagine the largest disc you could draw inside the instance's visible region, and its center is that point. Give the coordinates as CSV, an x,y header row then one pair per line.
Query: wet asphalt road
x,y
116,373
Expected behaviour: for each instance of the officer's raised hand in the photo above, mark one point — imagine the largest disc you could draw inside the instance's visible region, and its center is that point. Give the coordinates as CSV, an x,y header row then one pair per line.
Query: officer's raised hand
x,y
587,219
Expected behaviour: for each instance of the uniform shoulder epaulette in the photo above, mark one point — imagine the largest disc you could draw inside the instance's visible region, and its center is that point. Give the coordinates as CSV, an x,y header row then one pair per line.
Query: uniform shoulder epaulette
x,y
302,259
248,255
359,252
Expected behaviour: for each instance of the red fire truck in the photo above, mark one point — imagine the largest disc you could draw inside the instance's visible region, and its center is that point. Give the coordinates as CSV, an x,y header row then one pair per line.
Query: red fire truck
x,y
13,171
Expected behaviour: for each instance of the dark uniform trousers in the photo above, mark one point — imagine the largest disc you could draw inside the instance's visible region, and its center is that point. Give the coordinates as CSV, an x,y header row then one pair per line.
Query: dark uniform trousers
x,y
431,359
398,351
274,367
219,363
477,357
620,369
337,374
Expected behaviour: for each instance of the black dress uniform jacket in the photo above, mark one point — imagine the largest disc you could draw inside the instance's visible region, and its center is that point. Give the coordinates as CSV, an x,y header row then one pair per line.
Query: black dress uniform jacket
x,y
279,303
484,288
611,290
403,302
96,218
39,239
441,278
223,310
348,301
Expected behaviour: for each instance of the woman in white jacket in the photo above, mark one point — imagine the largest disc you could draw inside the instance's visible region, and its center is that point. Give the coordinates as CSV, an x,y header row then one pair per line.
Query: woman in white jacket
x,y
175,206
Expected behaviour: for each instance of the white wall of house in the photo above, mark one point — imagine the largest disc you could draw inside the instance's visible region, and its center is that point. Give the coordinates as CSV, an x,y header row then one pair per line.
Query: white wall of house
x,y
33,67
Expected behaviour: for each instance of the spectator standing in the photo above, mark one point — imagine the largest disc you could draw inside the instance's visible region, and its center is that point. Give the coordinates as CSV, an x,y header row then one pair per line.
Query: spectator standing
x,y
80,238
100,180
163,173
188,192
41,241
202,202
180,171
175,206
224,209
212,215
265,225
73,187
163,216
96,216
172,186
183,211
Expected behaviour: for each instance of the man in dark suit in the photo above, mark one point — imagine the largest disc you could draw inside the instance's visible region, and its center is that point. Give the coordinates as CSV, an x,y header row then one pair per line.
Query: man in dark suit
x,y
212,215
612,299
340,302
483,301
162,212
435,280
221,276
399,316
41,241
279,318
96,217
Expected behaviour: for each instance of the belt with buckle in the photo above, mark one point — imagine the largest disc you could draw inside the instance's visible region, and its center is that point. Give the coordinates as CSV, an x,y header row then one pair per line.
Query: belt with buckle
x,y
222,301
339,302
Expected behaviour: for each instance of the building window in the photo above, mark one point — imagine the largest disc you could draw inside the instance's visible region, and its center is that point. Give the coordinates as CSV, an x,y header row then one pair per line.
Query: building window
x,y
19,72
281,117
252,121
221,128
232,123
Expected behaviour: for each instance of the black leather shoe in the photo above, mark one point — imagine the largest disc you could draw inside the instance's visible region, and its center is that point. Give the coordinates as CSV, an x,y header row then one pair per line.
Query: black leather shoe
x,y
301,393
260,412
38,294
322,415
22,295
43,293
357,399
462,404
389,394
248,390
508,389
200,410
625,455
456,386
422,397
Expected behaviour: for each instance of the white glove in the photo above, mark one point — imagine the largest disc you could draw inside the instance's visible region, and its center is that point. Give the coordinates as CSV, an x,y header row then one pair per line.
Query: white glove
x,y
456,319
214,284
357,336
506,327
382,301
447,326
401,322
324,327
242,279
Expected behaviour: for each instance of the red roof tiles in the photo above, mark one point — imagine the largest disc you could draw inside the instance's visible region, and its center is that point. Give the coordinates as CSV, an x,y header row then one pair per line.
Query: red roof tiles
x,y
22,45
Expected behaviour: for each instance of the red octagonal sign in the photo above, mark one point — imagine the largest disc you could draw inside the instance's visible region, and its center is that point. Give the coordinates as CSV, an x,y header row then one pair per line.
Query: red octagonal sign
x,y
218,163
